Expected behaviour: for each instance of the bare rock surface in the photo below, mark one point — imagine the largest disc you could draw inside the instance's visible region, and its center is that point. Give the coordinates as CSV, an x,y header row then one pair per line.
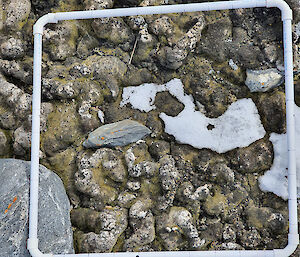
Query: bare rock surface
x,y
117,134
263,80
54,227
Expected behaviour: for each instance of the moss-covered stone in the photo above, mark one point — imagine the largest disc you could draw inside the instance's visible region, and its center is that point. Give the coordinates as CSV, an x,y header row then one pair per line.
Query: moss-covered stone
x,y
255,158
215,16
62,128
216,204
168,104
86,45
150,188
231,72
264,218
227,204
113,29
61,41
220,173
214,43
108,193
165,28
208,87
272,109
297,92
184,152
16,14
64,165
159,148
113,222
117,52
113,113
145,50
107,68
5,143
212,230
86,219
7,119
77,239
137,153
100,176
67,6
136,77
177,223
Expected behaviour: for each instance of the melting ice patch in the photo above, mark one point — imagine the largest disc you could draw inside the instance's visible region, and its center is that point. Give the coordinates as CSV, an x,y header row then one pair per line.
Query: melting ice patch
x,y
141,97
275,180
239,126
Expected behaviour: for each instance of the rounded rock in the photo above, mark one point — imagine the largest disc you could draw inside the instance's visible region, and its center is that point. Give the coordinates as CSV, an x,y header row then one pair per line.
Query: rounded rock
x,y
13,48
255,158
17,12
159,148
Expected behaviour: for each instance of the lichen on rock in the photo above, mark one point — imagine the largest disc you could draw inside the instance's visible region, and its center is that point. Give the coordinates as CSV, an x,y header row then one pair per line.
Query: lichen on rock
x,y
172,57
61,41
17,12
177,223
142,221
113,29
13,48
113,222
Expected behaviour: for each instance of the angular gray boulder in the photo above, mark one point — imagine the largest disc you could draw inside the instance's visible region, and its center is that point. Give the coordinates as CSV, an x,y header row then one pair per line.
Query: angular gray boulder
x,y
263,80
120,133
54,226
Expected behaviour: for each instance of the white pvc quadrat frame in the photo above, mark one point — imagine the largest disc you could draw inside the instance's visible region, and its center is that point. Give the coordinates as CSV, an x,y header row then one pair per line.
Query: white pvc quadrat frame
x,y
286,12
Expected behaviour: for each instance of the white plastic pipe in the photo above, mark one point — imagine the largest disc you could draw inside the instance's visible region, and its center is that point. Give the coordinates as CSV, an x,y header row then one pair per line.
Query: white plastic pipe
x,y
38,29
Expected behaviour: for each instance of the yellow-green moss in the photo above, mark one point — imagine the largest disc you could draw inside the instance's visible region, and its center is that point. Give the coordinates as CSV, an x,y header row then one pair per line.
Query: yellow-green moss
x,y
67,6
8,151
150,188
64,165
78,237
62,128
237,76
117,52
108,192
216,16
118,247
216,203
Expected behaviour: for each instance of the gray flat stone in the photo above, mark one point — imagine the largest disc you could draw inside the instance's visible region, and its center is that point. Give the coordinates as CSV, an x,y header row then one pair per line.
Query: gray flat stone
x,y
263,80
116,134
54,226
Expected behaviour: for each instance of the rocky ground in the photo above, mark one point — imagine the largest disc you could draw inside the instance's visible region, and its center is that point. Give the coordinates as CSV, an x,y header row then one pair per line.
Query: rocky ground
x,y
155,194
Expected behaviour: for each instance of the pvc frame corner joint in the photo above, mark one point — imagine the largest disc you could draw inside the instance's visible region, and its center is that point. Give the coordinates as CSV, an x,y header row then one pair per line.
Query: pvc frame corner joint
x,y
38,29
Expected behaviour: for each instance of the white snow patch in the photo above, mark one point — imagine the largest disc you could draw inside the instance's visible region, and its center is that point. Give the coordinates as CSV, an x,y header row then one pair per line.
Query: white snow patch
x,y
239,126
232,65
141,97
101,116
275,180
